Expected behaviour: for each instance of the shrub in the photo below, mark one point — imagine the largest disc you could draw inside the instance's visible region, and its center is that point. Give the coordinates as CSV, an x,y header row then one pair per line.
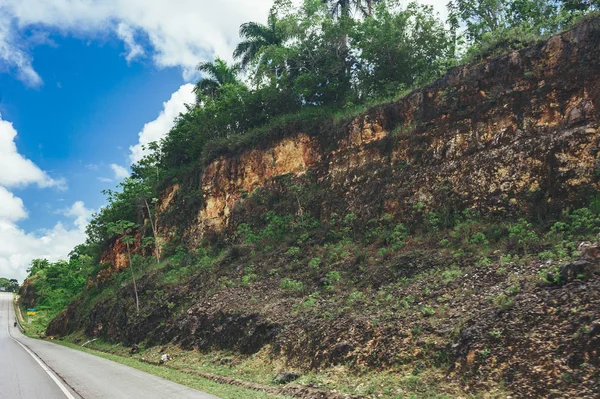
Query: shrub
x,y
396,239
522,234
479,239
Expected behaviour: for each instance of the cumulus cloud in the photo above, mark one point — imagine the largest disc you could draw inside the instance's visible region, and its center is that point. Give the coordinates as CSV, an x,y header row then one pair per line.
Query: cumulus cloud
x,y
177,33
16,170
80,213
17,246
158,128
11,207
119,171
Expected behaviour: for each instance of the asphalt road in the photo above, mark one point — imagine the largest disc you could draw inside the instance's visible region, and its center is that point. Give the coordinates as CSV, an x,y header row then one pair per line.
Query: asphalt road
x,y
35,369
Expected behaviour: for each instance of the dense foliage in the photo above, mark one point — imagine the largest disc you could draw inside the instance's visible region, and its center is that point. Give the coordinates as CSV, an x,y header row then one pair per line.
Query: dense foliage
x,y
9,285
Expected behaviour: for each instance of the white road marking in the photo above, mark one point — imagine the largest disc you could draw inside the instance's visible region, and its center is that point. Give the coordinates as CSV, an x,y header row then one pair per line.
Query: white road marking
x,y
43,366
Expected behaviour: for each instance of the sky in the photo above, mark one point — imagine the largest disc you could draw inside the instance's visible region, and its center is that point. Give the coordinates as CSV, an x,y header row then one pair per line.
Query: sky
x,y
84,84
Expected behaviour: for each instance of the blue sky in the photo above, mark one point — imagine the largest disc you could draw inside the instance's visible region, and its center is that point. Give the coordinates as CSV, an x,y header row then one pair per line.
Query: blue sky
x,y
83,85
86,115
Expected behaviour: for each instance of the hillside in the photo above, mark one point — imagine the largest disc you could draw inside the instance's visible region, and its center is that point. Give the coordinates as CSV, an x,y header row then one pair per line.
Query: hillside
x,y
439,245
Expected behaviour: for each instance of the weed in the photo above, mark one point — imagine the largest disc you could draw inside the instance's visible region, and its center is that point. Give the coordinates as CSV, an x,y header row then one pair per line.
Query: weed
x,y
450,275
288,284
314,263
503,301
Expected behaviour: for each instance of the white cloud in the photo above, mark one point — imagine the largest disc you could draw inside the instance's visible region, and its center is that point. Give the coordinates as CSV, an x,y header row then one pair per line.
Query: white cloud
x,y
105,180
81,214
14,56
119,171
17,246
11,207
126,34
177,33
16,170
158,128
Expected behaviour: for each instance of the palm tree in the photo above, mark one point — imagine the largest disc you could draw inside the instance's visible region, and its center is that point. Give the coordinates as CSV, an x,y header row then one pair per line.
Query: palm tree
x,y
256,37
216,74
343,8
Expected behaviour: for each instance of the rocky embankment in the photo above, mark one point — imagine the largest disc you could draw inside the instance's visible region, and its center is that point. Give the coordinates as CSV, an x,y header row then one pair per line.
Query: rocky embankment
x,y
514,136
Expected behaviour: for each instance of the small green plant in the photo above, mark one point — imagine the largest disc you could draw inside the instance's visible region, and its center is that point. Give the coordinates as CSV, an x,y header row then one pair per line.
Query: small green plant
x,y
331,279
246,234
523,234
398,236
293,252
407,302
513,289
356,296
427,311
288,284
503,301
484,353
505,259
479,239
248,279
450,275
495,333
314,263
551,275
485,261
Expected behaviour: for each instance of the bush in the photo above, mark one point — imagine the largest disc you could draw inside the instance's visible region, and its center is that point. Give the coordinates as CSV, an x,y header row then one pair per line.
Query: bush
x,y
522,234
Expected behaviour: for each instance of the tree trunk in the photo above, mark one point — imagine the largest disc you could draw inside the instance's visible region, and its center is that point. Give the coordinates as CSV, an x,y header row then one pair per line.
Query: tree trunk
x,y
153,225
137,300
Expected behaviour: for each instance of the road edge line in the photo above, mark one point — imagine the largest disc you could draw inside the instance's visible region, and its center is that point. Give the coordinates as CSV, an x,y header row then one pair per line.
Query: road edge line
x,y
43,365
48,371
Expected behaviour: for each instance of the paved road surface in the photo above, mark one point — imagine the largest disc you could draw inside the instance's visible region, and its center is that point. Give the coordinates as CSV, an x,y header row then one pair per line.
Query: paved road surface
x,y
34,369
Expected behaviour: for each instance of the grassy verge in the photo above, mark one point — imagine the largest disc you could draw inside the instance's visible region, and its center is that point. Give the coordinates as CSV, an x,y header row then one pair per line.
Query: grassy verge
x,y
179,377
260,369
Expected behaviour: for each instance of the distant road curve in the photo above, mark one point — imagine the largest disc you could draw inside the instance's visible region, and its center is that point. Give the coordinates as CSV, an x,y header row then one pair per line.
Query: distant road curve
x,y
35,369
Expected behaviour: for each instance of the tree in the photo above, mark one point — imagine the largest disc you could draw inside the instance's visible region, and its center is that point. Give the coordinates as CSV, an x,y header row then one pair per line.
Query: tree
x,y
343,8
9,285
217,74
400,49
124,229
479,16
256,37
37,265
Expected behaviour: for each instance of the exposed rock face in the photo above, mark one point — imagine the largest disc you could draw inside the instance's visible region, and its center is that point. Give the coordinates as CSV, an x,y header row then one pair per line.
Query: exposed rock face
x,y
515,134
226,180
